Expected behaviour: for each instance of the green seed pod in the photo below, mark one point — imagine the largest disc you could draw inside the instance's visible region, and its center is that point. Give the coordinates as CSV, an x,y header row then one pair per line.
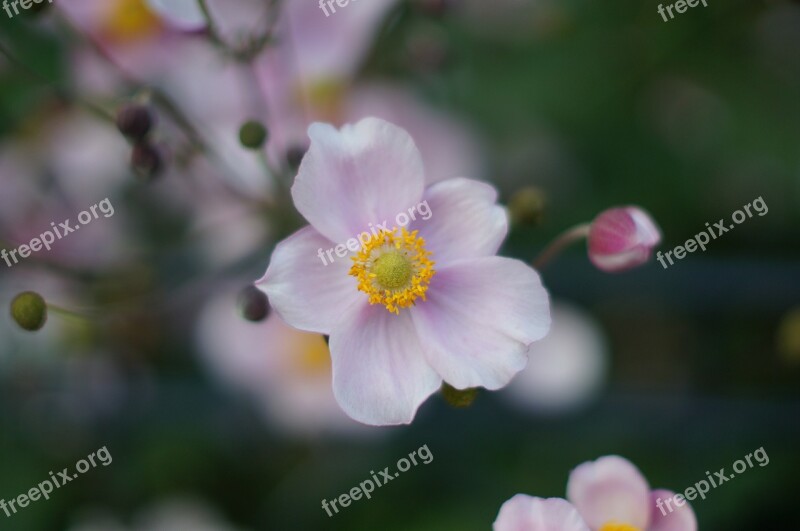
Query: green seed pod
x,y
29,311
253,134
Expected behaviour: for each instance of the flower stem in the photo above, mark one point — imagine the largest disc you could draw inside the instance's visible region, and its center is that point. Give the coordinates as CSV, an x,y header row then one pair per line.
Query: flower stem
x,y
557,246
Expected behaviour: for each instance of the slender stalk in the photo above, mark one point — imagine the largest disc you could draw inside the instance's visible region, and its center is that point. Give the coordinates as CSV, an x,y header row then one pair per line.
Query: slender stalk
x,y
557,246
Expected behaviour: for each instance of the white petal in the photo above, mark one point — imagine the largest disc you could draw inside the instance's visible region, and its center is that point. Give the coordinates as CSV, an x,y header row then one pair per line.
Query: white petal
x,y
526,513
479,319
184,14
305,292
361,174
380,375
465,220
676,519
610,489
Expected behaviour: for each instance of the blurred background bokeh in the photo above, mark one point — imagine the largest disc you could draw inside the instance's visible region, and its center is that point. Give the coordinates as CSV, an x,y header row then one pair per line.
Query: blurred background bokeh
x,y
220,422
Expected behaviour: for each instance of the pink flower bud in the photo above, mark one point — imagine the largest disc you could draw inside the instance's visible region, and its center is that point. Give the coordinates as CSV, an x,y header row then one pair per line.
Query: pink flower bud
x,y
622,238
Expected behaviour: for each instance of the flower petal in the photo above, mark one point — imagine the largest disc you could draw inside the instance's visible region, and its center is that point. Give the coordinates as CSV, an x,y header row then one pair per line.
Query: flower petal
x,y
183,14
610,489
465,220
361,174
305,292
676,519
526,513
380,375
479,319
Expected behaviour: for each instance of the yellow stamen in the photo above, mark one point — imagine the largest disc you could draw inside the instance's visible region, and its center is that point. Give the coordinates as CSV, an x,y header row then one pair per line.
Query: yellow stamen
x,y
611,526
311,356
394,269
130,20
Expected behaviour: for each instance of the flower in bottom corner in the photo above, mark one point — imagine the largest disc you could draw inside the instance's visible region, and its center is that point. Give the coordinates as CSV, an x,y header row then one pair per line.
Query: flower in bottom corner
x,y
609,494
422,298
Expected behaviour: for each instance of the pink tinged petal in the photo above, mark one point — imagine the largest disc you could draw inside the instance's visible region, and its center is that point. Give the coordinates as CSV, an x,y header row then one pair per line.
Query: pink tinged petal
x,y
380,375
183,14
465,220
679,519
610,489
479,319
526,513
449,147
622,238
361,174
306,293
330,43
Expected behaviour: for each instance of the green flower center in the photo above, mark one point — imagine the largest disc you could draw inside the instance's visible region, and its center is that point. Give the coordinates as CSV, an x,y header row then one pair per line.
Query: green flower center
x,y
393,270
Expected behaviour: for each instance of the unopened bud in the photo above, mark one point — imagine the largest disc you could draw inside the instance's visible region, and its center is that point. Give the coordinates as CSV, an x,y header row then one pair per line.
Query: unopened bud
x,y
622,238
526,206
459,397
135,120
29,311
435,8
789,336
146,160
253,134
253,304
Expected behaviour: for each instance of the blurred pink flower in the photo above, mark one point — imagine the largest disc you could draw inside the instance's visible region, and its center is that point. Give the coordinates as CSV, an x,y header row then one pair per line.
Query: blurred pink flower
x,y
467,319
287,372
526,513
611,490
567,368
609,494
622,238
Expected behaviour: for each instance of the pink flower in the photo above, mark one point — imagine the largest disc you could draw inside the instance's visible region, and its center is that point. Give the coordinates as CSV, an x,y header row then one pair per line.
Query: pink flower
x,y
609,494
611,490
526,513
418,304
622,238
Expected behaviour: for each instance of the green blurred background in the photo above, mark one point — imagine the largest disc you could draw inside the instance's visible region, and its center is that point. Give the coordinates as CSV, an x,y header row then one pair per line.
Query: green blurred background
x,y
597,104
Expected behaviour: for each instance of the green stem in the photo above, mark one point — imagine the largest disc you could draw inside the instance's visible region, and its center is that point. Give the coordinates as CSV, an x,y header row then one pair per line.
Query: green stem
x,y
557,246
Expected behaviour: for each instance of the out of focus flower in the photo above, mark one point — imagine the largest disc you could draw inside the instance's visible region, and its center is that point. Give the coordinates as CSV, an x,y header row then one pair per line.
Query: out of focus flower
x,y
609,494
612,491
565,369
287,372
622,238
171,515
405,322
526,513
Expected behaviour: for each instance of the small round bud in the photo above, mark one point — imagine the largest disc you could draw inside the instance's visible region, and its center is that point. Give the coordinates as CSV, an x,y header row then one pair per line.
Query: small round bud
x,y
29,311
788,336
427,51
526,206
135,120
622,238
294,156
253,304
253,134
434,8
459,397
146,160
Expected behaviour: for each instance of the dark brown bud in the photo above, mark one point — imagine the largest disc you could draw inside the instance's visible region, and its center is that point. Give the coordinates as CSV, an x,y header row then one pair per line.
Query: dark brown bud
x,y
135,121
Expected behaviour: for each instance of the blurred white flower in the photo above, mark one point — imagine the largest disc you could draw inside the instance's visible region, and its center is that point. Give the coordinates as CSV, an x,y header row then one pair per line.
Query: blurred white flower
x,y
286,371
177,514
567,368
